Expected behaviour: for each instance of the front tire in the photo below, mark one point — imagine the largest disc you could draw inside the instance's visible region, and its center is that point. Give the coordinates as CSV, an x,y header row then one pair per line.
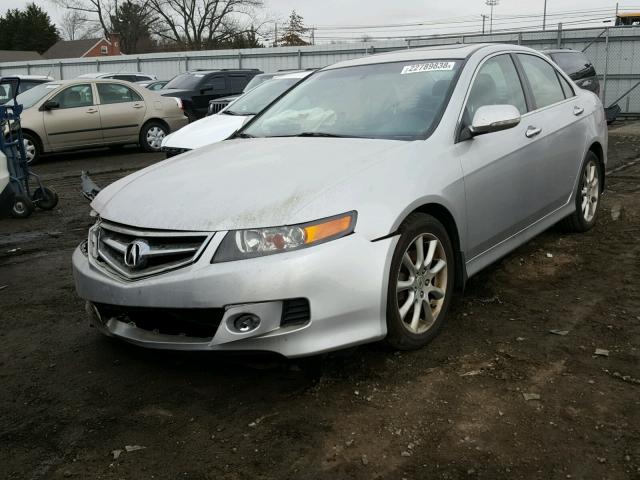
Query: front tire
x,y
587,197
421,283
151,136
32,148
22,206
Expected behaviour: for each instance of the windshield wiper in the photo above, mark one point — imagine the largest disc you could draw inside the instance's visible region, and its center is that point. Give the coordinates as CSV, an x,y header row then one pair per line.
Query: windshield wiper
x,y
320,134
243,135
231,112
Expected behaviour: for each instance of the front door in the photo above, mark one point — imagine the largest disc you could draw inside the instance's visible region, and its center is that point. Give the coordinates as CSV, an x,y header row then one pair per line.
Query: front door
x,y
122,111
75,120
498,167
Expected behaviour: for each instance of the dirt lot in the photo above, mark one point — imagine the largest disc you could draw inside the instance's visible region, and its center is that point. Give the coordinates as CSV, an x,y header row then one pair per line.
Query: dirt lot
x,y
454,410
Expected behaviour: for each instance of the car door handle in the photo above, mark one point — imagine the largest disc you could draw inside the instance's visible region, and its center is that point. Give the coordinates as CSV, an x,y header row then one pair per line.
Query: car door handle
x,y
92,110
532,132
137,105
578,110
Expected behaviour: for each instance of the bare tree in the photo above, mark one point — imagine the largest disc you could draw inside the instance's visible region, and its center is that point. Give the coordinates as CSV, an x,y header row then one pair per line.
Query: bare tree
x,y
201,24
96,11
73,25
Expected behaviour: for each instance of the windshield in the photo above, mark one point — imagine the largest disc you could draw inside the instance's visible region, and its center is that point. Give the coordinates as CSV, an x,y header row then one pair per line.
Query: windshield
x,y
253,102
257,80
185,81
32,96
400,100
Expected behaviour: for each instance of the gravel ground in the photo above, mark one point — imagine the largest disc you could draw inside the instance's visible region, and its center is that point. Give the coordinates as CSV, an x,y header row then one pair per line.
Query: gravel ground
x,y
495,396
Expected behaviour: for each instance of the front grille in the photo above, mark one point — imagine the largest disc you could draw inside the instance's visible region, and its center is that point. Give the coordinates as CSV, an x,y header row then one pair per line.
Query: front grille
x,y
295,312
172,152
215,107
190,322
132,253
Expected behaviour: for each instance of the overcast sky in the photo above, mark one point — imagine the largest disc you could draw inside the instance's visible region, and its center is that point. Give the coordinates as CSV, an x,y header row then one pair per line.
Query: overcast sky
x,y
329,15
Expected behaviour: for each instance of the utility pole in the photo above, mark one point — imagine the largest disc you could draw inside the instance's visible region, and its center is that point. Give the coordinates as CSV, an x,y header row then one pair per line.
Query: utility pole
x,y
617,11
491,3
484,17
275,39
313,35
544,16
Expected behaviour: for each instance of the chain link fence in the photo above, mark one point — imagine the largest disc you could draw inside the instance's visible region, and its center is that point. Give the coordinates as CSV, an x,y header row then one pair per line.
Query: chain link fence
x,y
614,51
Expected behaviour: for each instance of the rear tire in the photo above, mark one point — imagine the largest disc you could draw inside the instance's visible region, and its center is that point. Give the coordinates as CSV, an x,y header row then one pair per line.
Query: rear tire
x,y
22,206
151,136
587,197
45,198
421,283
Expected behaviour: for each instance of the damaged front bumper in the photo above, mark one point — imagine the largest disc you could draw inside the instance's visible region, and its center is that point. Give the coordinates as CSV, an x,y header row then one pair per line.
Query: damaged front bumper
x,y
342,283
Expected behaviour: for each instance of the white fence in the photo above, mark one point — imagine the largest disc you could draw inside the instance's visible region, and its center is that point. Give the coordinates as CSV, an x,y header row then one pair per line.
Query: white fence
x,y
615,52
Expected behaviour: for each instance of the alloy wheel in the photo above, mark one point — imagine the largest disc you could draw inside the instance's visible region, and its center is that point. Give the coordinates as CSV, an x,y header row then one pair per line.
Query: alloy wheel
x,y
590,191
421,284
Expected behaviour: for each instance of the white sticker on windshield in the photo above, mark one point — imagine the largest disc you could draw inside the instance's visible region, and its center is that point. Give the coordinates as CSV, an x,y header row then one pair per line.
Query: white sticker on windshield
x,y
428,67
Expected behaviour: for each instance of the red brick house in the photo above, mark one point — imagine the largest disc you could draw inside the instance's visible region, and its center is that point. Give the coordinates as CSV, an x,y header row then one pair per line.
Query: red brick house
x,y
86,47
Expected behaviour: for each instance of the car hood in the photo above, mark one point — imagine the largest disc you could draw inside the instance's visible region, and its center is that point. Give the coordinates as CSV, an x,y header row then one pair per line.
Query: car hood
x,y
205,131
242,183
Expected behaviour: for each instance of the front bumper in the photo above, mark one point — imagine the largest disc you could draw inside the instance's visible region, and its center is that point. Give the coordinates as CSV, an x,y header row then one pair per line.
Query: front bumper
x,y
345,282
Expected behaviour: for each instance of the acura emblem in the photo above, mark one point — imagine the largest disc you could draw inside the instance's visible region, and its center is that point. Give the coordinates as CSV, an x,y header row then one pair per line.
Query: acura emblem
x,y
135,255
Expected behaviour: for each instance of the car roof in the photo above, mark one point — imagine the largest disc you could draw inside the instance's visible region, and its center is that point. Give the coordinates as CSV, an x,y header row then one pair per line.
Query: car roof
x,y
458,51
302,74
560,50
45,78
102,74
229,70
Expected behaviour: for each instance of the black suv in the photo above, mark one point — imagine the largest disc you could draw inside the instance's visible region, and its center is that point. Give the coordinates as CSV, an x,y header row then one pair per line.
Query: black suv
x,y
577,66
198,87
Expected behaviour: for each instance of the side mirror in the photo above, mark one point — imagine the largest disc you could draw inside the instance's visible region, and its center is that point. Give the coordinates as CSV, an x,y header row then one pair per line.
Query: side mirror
x,y
50,105
494,118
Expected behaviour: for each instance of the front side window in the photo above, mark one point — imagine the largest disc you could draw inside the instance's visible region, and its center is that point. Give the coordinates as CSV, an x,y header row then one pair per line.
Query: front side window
x,y
497,83
543,80
76,96
116,93
399,100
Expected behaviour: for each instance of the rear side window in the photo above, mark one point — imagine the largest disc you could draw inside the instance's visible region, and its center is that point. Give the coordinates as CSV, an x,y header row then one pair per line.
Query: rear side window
x,y
543,80
572,62
497,83
215,83
237,83
566,88
116,93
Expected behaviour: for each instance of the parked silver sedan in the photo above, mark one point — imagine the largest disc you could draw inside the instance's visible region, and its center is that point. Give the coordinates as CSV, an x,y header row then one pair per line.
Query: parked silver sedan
x,y
350,209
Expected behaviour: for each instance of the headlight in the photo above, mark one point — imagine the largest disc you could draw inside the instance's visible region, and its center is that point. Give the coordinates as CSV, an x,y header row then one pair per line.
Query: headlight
x,y
257,242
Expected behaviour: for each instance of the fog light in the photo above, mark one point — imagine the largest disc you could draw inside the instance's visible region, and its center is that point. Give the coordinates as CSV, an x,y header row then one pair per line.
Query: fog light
x,y
246,322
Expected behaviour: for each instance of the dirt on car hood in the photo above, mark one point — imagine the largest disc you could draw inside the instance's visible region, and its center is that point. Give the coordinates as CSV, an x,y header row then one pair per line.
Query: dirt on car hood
x,y
243,183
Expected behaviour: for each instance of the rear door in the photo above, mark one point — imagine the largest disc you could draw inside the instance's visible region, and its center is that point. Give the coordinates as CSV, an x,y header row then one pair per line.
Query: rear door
x,y
122,112
76,120
560,138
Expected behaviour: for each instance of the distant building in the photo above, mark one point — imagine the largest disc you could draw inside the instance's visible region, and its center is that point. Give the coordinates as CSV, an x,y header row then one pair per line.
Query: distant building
x,y
18,55
87,47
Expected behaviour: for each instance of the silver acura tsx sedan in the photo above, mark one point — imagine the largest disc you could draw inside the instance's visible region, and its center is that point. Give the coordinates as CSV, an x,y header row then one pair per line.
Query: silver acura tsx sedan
x,y
350,209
